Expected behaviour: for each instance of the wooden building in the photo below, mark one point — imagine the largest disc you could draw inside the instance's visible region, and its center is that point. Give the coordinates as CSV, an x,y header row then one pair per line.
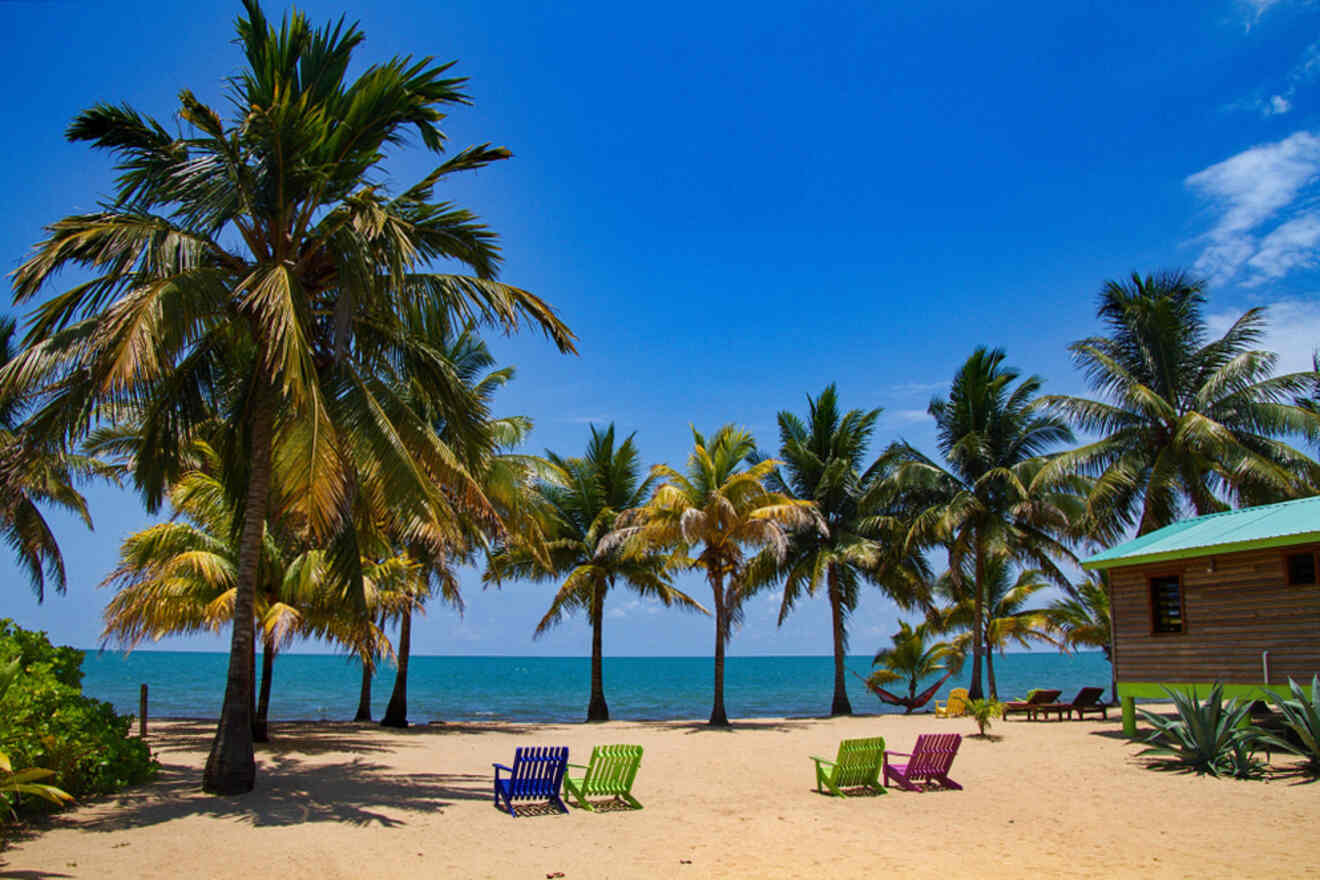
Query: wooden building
x,y
1231,597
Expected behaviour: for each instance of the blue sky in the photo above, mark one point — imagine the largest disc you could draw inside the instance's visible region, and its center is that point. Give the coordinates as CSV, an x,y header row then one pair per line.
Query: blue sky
x,y
736,204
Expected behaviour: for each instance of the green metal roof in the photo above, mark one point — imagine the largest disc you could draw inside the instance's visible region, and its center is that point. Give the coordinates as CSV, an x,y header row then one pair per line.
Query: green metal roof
x,y
1251,528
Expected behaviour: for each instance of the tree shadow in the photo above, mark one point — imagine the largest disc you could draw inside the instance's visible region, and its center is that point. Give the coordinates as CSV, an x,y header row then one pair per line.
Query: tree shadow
x,y
289,792
691,727
31,875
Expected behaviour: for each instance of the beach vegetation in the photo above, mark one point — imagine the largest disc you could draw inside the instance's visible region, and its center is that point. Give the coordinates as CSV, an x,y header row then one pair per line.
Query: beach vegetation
x,y
914,656
1008,614
1206,736
713,516
987,497
16,783
47,722
984,711
824,462
273,233
583,496
1187,423
1301,717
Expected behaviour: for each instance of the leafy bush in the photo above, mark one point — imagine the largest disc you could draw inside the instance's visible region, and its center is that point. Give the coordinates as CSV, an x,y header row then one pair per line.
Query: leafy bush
x,y
1302,717
45,721
983,711
1210,737
24,781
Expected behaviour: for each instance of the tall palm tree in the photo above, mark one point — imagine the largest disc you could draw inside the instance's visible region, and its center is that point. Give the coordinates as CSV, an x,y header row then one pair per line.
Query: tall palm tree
x,y
1186,423
272,231
1007,614
721,507
913,657
585,500
34,472
1083,618
824,463
988,494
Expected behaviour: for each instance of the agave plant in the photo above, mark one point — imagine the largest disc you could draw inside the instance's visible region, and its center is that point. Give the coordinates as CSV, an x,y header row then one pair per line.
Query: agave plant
x,y
1211,737
1302,716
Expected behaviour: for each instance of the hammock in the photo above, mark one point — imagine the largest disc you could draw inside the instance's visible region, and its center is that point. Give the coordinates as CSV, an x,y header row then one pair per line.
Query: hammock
x,y
909,703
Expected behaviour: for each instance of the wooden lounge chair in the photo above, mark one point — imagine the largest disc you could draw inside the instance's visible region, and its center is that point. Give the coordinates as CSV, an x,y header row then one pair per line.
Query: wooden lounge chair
x,y
955,706
536,775
609,773
929,761
856,766
1035,698
1087,700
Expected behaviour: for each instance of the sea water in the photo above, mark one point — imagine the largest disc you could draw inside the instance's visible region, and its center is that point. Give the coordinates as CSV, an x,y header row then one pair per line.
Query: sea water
x,y
314,687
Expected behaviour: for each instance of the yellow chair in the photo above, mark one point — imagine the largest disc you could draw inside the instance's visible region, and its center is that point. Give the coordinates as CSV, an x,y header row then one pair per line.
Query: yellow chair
x,y
956,705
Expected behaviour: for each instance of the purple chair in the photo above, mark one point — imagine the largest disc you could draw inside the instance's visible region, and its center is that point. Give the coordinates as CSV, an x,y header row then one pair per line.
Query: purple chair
x,y
929,761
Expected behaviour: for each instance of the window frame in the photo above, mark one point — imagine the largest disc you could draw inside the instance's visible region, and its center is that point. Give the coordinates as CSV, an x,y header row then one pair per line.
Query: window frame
x,y
1180,575
1313,552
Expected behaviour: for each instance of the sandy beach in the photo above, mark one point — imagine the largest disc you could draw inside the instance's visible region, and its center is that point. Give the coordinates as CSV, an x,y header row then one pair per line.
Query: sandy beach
x,y
346,801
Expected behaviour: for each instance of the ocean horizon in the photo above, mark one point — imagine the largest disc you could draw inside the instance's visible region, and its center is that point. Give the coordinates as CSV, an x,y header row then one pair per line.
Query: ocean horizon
x,y
324,687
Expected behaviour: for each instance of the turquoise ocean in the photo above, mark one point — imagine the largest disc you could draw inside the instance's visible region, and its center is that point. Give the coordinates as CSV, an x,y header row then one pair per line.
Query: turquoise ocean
x,y
319,687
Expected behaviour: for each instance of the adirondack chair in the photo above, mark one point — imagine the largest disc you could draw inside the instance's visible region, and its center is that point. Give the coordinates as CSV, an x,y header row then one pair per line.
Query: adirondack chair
x,y
929,761
955,706
536,775
857,765
610,773
1027,706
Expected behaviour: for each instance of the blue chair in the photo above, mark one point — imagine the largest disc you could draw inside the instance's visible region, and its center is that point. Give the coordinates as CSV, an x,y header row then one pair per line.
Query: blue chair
x,y
536,775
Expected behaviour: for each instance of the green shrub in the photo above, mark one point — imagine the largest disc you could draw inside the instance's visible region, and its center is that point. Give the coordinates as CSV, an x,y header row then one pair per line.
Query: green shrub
x,y
25,780
1302,717
1210,737
983,712
45,721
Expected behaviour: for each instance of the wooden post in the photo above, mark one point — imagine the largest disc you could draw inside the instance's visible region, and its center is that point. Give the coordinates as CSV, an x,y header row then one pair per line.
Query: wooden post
x,y
142,711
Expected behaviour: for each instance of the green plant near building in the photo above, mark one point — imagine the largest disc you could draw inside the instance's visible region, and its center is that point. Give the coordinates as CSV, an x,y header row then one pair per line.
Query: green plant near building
x,y
1302,717
46,722
1211,737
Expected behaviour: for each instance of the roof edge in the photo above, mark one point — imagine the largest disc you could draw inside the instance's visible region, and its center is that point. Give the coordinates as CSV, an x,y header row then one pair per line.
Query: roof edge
x,y
1094,564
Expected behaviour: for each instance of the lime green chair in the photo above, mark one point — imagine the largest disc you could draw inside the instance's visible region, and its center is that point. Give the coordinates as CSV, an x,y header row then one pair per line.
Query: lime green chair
x,y
858,765
610,773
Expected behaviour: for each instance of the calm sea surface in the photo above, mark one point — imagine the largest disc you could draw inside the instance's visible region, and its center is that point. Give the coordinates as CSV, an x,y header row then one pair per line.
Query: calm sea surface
x,y
325,687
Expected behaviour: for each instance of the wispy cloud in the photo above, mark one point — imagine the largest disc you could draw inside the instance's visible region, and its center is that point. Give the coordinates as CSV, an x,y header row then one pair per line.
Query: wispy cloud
x,y
1252,10
1293,331
918,387
906,416
1261,218
585,420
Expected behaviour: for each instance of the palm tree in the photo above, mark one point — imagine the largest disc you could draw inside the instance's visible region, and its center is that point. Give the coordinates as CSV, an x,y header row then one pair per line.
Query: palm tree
x,y
585,501
34,472
270,232
721,506
990,495
1006,615
912,658
1185,422
1083,618
824,464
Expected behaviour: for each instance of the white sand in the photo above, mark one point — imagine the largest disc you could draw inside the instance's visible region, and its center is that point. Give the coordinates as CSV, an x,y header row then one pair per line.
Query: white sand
x,y
1043,799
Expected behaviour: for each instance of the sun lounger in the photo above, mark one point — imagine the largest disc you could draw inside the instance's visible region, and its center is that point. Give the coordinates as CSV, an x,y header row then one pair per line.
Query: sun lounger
x,y
1025,707
929,761
1087,700
856,766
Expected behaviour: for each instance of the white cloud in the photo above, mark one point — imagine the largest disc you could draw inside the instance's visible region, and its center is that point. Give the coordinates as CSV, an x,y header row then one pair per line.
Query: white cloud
x,y
1252,10
1293,331
1290,246
906,416
918,387
1277,106
1253,193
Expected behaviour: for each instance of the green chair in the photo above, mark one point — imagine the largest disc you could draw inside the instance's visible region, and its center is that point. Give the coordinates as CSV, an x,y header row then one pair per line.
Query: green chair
x,y
609,774
858,765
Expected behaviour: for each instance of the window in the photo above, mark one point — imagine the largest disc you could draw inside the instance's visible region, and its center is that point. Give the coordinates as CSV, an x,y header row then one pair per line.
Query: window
x,y
1301,568
1166,610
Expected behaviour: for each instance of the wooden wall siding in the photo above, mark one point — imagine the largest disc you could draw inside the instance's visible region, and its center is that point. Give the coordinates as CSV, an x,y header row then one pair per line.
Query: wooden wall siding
x,y
1232,614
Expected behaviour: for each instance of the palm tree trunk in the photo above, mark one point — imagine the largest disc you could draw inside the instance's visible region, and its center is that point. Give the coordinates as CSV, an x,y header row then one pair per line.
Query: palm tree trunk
x,y
718,718
231,767
597,710
975,691
396,713
840,705
260,730
364,695
990,672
